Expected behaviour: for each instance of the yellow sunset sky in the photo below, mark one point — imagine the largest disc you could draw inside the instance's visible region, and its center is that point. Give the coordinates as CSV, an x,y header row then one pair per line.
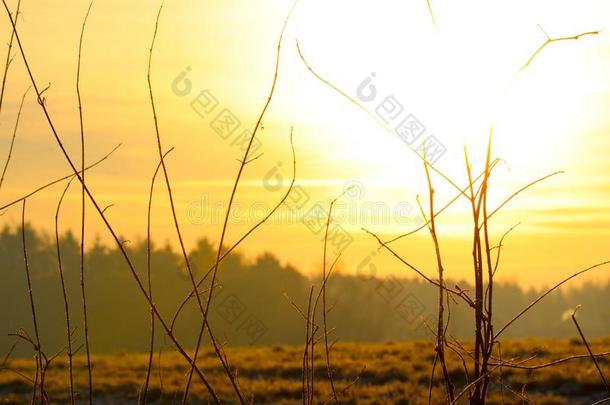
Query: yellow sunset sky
x,y
457,78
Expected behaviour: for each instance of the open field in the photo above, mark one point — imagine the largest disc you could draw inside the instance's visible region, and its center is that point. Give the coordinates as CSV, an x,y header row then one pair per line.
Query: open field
x,y
395,373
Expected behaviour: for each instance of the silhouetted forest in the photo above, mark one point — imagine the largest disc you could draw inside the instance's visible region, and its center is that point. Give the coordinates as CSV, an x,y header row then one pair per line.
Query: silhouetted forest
x,y
251,307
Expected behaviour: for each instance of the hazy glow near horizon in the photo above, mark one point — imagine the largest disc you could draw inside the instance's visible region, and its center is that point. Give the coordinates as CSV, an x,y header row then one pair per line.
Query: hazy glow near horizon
x,y
458,79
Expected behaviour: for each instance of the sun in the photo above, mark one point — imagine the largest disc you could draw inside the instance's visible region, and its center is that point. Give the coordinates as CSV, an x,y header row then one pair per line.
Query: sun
x,y
458,80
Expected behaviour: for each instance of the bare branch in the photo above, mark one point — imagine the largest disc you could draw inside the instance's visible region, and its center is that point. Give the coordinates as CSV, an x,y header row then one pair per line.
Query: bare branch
x,y
562,282
549,41
10,149
65,292
584,339
67,177
9,59
144,391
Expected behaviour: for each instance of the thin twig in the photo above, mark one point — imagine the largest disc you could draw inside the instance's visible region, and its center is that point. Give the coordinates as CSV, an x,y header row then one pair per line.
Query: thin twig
x,y
67,177
323,290
549,41
64,292
438,212
10,149
144,391
513,195
562,282
549,364
348,386
9,59
440,342
584,340
32,305
82,228
459,293
431,11
306,372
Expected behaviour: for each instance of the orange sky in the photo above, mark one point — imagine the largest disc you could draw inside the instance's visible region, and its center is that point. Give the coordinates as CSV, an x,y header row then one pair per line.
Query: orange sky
x,y
456,79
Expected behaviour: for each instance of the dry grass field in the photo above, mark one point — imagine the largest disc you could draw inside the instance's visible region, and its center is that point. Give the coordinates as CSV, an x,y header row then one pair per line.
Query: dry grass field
x,y
390,372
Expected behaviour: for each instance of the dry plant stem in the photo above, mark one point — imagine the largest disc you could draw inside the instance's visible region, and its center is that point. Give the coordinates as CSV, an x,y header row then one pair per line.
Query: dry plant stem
x,y
32,307
499,247
501,372
549,41
82,229
223,361
118,242
431,381
160,370
431,11
513,195
347,387
242,165
488,294
323,291
65,293
34,395
312,354
537,300
478,286
69,176
245,235
10,149
457,353
519,395
179,234
440,342
461,293
20,374
472,384
550,364
584,340
9,59
144,391
306,373
437,213
9,353
311,328
314,327
477,395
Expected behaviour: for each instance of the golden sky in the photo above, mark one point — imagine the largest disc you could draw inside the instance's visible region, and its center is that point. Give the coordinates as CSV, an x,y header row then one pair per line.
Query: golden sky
x,y
457,78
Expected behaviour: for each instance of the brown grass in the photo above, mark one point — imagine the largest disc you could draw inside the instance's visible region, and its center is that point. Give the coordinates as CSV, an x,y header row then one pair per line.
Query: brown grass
x,y
395,373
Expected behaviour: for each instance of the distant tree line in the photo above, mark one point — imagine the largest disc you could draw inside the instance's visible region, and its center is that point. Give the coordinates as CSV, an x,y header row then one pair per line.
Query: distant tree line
x,y
254,305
